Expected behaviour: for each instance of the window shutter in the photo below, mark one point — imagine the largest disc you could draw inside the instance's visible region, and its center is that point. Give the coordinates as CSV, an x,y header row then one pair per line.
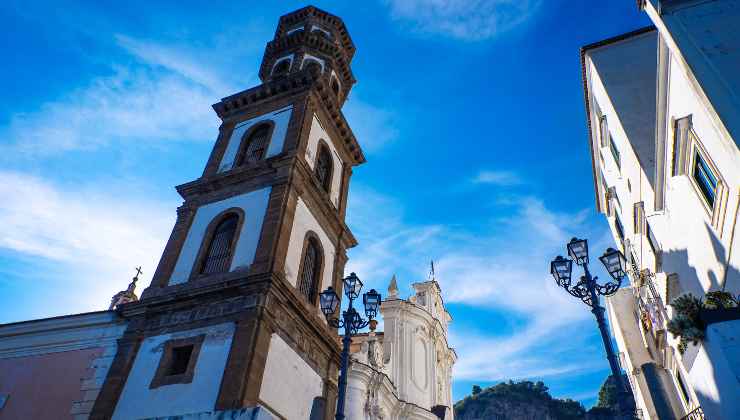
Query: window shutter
x,y
604,131
639,217
324,168
256,145
308,281
681,145
218,255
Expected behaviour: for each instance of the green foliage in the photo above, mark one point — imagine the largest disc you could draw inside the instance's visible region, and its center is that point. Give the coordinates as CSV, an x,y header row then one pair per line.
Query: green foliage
x,y
608,394
720,300
513,400
686,323
476,389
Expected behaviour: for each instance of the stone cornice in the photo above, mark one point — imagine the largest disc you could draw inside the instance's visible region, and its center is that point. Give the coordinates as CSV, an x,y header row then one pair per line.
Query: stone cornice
x,y
263,174
286,21
312,40
295,83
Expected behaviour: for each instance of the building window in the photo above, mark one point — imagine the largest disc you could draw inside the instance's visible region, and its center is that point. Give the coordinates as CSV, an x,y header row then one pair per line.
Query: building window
x,y
335,85
615,152
282,67
603,130
310,272
619,227
220,248
177,364
326,34
705,179
652,240
254,146
324,167
312,65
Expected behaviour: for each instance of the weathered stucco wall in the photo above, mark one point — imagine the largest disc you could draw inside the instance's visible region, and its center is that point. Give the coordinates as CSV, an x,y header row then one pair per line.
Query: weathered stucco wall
x,y
44,386
139,401
254,205
289,384
280,118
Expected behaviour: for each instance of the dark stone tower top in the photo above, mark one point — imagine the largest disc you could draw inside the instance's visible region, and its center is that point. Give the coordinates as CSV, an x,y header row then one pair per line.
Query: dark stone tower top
x,y
313,41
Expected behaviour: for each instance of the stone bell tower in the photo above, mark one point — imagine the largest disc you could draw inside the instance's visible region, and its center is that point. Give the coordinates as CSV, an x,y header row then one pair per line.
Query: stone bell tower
x,y
231,319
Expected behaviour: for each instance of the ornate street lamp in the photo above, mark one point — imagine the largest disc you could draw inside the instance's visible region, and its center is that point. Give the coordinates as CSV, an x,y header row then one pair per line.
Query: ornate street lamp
x,y
588,291
351,321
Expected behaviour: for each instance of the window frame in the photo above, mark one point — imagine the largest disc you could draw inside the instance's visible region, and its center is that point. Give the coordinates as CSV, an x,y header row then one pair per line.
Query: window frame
x,y
279,61
246,140
615,152
311,237
619,227
161,378
322,148
707,190
208,235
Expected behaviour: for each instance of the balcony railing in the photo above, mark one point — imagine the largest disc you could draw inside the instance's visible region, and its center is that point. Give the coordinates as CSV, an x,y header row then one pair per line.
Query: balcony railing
x,y
695,414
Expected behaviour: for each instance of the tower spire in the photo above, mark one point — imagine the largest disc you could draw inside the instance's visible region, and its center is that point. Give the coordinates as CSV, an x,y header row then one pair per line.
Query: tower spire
x,y
128,295
431,272
393,288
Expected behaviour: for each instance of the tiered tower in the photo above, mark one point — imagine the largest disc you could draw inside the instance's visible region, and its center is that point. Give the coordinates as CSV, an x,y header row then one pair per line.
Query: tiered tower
x,y
231,318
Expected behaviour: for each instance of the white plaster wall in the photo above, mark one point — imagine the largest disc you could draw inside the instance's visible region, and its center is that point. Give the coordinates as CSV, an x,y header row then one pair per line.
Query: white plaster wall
x,y
303,222
289,384
357,387
689,230
254,205
317,132
281,119
715,374
138,401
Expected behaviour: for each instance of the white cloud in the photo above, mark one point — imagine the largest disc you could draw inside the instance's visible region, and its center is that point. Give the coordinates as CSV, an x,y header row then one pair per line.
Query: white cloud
x,y
373,126
101,235
500,178
167,96
469,20
504,269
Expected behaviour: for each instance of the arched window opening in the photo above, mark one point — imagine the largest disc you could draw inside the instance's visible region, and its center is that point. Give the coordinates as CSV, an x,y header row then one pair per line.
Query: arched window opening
x,y
312,65
308,283
335,85
294,30
326,34
256,145
281,68
218,255
324,167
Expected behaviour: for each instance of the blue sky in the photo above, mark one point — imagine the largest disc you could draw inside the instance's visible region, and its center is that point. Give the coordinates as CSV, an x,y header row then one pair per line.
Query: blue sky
x,y
470,113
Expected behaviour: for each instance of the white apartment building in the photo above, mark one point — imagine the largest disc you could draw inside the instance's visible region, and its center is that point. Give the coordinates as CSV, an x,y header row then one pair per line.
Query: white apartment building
x,y
663,111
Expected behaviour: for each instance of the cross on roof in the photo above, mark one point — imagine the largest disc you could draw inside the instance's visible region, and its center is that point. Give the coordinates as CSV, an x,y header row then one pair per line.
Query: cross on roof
x,y
138,272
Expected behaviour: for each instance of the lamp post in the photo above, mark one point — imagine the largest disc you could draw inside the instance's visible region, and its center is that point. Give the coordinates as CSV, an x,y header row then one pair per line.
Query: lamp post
x,y
588,291
352,322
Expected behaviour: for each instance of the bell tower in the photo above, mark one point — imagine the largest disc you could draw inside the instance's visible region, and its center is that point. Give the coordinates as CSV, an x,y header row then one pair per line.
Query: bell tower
x,y
231,318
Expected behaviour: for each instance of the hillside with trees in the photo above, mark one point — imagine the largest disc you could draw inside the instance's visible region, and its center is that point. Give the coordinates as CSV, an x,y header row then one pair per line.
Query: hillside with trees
x,y
528,400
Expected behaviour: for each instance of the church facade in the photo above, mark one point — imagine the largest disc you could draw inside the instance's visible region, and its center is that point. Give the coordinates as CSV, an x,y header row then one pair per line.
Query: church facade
x,y
404,372
230,325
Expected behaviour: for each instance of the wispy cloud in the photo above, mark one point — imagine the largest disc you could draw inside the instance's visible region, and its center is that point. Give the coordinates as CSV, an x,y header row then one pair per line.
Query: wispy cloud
x,y
373,126
164,95
95,232
469,20
503,268
499,178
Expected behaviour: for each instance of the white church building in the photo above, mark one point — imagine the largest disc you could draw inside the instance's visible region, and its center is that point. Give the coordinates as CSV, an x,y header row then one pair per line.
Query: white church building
x,y
404,372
